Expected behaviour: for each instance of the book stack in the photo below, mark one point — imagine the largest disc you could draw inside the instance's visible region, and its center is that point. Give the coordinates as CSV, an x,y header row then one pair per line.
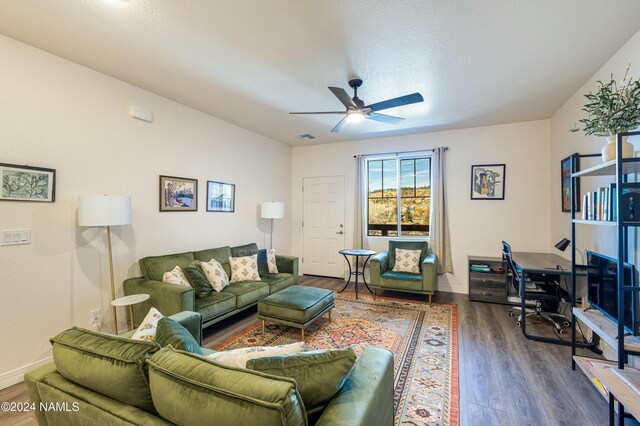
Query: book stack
x,y
480,268
600,204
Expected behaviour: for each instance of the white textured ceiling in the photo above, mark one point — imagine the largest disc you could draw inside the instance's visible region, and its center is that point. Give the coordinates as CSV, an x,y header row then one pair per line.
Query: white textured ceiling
x,y
250,62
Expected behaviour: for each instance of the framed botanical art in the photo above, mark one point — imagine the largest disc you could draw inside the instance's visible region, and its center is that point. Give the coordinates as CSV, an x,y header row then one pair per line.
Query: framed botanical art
x,y
25,183
487,181
221,197
178,194
565,182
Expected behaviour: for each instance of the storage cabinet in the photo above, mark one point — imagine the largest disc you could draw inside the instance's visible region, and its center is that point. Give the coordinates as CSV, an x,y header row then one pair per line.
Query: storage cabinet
x,y
488,286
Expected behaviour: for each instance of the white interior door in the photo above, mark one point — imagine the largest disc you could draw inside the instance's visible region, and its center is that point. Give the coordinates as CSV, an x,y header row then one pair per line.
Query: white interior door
x,y
323,226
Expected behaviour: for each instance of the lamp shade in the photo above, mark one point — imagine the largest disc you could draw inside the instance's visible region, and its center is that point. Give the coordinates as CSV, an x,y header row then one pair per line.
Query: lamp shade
x,y
272,210
562,244
104,210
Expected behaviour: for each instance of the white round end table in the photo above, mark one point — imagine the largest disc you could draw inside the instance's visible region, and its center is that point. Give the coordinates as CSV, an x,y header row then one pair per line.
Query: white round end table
x,y
129,301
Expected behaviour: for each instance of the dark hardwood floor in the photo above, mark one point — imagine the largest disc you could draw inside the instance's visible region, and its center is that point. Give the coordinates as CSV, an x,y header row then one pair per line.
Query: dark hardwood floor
x,y
505,379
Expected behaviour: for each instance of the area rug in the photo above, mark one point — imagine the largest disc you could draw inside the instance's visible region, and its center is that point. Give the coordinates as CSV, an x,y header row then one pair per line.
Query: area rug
x,y
422,337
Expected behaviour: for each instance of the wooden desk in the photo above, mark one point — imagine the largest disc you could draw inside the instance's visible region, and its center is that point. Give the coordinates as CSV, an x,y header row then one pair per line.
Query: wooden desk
x,y
541,262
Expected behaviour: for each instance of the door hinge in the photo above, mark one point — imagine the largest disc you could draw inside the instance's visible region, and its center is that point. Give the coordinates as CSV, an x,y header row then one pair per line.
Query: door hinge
x,y
303,223
302,188
303,260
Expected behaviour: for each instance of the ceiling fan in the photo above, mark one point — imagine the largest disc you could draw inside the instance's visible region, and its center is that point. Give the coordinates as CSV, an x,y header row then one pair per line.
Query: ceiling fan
x,y
356,110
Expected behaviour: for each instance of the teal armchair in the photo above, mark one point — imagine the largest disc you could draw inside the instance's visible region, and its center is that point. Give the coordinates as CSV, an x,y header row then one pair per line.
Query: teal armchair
x,y
384,278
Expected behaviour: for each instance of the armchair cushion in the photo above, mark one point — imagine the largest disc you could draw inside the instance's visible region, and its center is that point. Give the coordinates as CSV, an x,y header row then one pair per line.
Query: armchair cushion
x,y
406,245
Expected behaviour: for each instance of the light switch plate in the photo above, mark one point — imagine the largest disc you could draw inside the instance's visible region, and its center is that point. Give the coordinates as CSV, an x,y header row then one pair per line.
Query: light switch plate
x,y
14,237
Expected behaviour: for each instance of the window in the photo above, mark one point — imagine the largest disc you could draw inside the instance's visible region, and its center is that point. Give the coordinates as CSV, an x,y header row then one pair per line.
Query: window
x,y
398,187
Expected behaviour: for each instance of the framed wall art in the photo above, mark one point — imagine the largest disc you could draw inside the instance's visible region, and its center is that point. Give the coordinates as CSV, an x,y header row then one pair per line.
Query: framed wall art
x,y
26,183
221,197
565,172
178,194
487,181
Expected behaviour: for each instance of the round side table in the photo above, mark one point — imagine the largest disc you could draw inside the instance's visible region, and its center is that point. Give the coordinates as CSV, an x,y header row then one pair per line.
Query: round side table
x,y
129,301
357,253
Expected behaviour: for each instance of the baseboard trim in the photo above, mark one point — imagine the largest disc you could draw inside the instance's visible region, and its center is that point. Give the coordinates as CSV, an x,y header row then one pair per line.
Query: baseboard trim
x,y
12,377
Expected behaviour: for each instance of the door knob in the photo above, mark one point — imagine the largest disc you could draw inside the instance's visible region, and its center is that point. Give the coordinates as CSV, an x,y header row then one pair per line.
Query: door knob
x,y
340,232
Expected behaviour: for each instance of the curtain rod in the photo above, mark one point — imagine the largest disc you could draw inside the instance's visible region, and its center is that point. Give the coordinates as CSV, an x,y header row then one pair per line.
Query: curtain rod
x,y
446,148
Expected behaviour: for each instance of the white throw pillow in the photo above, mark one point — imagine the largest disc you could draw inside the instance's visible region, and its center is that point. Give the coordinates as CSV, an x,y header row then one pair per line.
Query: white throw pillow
x,y
176,276
215,274
244,268
271,261
147,329
407,261
239,357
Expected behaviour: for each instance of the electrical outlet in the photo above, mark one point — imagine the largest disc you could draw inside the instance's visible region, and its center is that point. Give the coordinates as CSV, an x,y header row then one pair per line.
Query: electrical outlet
x,y
95,316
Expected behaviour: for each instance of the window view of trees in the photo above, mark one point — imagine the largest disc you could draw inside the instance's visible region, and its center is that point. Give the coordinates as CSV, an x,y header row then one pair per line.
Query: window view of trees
x,y
404,183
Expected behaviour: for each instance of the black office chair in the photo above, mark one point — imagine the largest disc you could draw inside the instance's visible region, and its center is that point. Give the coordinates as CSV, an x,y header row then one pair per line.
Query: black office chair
x,y
541,289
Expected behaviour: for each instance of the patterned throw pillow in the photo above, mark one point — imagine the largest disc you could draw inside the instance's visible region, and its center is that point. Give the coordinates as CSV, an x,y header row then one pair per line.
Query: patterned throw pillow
x,y
215,274
407,261
147,330
271,261
175,276
244,268
239,357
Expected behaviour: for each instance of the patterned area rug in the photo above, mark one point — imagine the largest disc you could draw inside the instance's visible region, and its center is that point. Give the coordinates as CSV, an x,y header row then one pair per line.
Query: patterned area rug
x,y
423,338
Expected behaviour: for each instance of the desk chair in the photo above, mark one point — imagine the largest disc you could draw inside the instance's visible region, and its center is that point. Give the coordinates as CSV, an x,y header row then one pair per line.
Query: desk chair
x,y
542,289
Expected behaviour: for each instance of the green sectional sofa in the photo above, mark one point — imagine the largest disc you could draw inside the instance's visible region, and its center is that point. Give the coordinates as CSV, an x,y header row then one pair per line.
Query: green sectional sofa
x,y
171,298
100,379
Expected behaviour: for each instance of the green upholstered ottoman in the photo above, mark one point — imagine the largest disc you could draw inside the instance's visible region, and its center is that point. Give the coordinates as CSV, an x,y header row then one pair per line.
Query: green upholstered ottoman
x,y
296,306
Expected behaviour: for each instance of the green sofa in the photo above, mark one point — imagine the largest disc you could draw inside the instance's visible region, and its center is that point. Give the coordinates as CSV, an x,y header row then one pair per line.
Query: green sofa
x,y
170,299
384,278
101,379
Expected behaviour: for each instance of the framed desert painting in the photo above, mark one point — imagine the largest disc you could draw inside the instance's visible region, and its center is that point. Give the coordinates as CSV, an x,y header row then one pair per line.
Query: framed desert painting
x,y
178,194
25,183
487,181
565,172
221,197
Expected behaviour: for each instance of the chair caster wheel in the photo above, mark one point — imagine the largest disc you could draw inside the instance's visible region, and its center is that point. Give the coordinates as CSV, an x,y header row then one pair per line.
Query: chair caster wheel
x,y
518,323
510,313
566,323
561,331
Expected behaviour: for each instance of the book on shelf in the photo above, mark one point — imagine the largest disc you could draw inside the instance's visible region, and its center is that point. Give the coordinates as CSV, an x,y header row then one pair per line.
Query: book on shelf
x,y
600,205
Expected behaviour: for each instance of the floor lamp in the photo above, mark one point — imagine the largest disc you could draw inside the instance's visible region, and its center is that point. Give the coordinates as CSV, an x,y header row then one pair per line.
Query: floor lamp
x,y
105,210
272,210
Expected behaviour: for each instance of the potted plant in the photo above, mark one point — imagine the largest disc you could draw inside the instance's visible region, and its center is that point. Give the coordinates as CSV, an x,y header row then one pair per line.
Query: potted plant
x,y
614,108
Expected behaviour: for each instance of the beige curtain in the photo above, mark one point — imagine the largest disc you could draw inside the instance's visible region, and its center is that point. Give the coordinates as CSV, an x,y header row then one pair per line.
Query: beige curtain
x,y
439,226
359,233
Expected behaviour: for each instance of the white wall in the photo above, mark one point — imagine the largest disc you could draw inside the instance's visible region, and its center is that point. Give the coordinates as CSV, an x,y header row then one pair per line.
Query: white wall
x,y
60,115
477,227
563,144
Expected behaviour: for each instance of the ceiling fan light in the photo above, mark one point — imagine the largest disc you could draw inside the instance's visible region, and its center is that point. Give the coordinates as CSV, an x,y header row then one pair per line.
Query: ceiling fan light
x,y
355,116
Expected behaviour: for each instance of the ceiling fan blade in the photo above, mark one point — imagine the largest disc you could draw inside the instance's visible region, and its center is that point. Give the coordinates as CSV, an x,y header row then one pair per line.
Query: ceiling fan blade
x,y
396,102
320,112
343,96
340,125
383,118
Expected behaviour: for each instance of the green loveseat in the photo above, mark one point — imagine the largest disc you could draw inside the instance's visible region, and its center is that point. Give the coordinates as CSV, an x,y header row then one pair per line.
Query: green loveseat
x,y
172,298
99,379
384,278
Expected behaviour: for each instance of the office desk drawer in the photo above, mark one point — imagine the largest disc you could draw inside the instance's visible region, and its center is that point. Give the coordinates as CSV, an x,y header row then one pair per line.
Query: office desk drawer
x,y
487,279
488,294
